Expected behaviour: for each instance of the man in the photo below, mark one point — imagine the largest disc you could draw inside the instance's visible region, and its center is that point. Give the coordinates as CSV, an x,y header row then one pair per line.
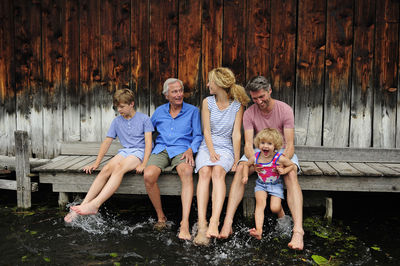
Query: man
x,y
268,113
179,136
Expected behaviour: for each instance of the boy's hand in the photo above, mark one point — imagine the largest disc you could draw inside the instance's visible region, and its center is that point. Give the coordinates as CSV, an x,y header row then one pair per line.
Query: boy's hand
x,y
88,169
140,168
245,179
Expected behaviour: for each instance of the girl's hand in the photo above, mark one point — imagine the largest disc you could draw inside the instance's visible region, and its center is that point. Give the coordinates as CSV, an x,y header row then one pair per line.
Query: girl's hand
x,y
88,169
234,166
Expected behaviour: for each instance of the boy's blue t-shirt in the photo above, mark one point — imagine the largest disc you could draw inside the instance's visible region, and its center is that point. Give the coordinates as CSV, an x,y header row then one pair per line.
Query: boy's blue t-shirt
x,y
130,132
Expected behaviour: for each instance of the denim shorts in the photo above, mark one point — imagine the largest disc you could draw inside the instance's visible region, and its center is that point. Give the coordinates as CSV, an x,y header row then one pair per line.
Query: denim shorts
x,y
294,159
272,188
139,153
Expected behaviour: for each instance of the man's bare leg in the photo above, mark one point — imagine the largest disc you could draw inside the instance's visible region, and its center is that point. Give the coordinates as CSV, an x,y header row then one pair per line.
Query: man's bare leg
x,y
295,203
151,174
185,172
236,193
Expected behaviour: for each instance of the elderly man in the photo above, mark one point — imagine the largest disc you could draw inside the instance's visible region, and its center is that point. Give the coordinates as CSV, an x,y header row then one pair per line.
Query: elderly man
x,y
179,136
268,113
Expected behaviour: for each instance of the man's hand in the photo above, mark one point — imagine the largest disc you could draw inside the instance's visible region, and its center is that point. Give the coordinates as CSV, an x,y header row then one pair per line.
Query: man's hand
x,y
188,155
88,169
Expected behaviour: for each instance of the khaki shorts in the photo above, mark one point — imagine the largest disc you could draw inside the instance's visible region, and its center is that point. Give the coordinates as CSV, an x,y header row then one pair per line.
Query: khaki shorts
x,y
162,161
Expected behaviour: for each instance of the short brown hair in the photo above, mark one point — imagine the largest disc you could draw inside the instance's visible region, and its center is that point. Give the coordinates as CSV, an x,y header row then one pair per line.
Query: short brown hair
x,y
123,96
269,134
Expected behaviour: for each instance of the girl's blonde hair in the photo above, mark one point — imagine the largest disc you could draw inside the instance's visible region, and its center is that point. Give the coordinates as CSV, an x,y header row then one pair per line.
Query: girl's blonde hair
x,y
123,96
271,135
224,78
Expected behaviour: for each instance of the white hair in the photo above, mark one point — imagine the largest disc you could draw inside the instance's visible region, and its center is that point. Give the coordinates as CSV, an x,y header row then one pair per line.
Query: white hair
x,y
169,81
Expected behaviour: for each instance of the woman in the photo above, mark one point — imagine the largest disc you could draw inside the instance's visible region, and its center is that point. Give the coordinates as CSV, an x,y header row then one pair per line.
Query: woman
x,y
221,114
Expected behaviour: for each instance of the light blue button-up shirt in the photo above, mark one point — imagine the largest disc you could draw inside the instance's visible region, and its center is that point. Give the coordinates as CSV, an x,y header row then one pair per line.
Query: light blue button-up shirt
x,y
178,134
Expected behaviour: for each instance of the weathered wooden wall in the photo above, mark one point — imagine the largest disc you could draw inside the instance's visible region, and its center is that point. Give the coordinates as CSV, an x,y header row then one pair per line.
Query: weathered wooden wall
x,y
336,62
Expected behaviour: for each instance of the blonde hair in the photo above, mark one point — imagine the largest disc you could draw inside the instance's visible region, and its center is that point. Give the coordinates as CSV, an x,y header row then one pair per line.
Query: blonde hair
x,y
123,96
269,134
224,78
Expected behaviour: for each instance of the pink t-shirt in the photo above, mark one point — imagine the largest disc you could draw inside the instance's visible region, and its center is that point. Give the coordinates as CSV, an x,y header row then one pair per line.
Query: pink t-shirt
x,y
279,118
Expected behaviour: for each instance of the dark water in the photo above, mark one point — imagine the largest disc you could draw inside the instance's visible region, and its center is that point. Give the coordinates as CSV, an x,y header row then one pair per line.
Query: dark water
x,y
365,231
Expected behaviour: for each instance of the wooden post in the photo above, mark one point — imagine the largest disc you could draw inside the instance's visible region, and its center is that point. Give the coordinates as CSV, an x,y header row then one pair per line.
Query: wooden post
x,y
22,169
329,209
62,199
248,207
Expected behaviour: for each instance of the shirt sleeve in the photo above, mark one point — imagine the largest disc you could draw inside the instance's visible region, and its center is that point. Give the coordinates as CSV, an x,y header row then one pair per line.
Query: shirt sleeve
x,y
288,118
197,134
112,131
247,121
148,125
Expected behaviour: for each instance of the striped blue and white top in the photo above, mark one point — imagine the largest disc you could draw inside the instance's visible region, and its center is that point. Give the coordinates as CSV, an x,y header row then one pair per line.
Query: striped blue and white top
x,y
221,124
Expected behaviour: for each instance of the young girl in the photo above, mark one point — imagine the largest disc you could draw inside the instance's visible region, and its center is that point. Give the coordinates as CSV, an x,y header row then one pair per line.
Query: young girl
x,y
134,131
269,165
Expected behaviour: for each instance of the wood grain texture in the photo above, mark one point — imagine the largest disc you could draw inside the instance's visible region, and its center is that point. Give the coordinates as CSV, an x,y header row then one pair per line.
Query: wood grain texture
x,y
233,41
258,38
362,74
7,79
90,73
386,73
283,41
338,73
140,59
189,53
310,65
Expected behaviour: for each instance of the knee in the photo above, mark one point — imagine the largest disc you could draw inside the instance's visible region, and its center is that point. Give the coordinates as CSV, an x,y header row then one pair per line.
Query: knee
x,y
218,174
150,177
261,203
291,179
275,208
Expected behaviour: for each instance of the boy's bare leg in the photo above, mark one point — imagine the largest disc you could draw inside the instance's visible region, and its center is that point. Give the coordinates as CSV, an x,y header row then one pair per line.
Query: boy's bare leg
x,y
295,203
96,186
151,174
218,197
236,193
261,202
203,191
127,164
185,172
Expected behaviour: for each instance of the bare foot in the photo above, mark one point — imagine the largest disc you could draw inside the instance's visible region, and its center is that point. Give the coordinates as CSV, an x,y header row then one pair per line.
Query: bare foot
x,y
226,230
85,209
212,229
297,241
201,239
255,233
71,216
184,233
161,224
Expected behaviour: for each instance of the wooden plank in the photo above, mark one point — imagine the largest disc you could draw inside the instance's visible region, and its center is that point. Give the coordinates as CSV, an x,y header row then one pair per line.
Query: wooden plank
x,y
51,163
348,183
338,73
63,165
140,49
366,169
362,74
88,148
283,42
163,47
233,42
105,161
394,166
258,37
386,171
309,153
70,71
28,72
326,169
53,98
7,79
86,161
12,185
22,169
189,54
211,47
89,38
310,72
345,169
310,168
386,73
